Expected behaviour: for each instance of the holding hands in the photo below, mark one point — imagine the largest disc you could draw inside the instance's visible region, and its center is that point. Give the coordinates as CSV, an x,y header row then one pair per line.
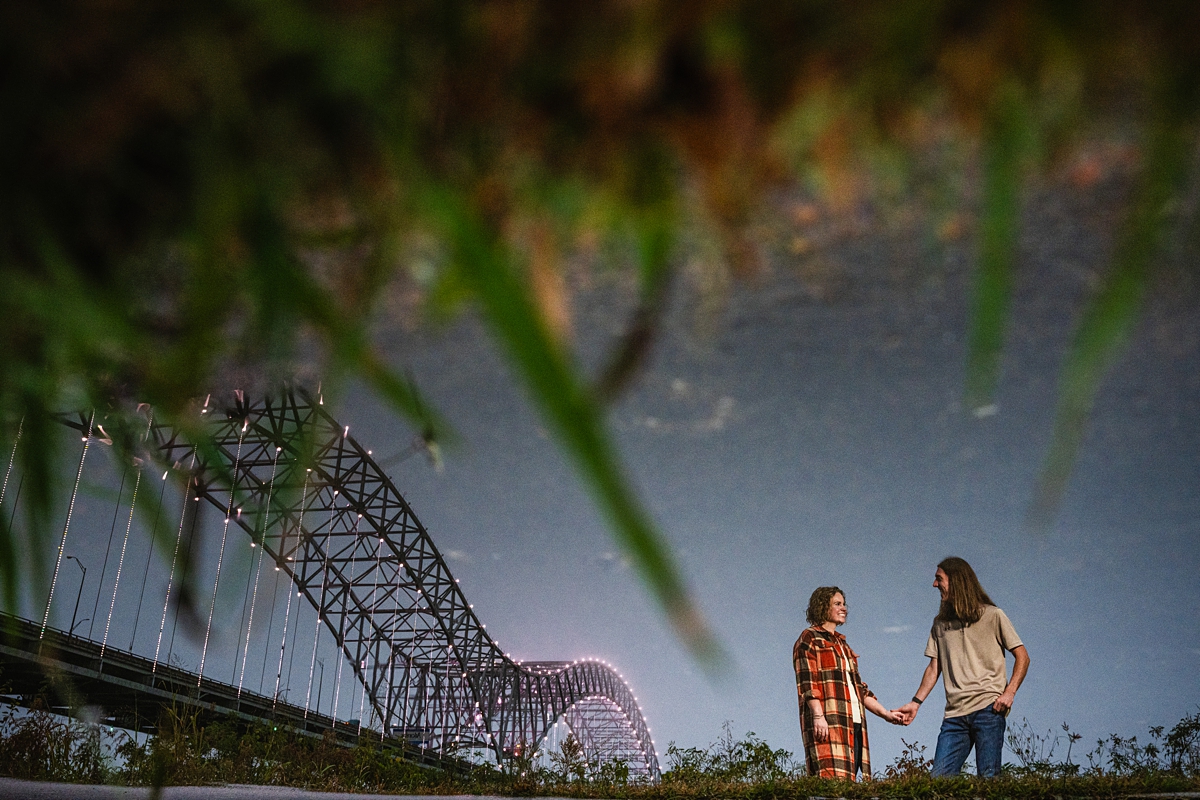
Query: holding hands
x,y
907,712
821,725
877,708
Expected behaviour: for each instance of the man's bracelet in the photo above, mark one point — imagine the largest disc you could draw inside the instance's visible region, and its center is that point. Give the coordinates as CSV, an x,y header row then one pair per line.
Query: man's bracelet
x,y
917,700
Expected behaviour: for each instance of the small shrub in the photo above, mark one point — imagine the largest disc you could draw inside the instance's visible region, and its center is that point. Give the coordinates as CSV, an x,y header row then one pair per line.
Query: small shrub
x,y
570,760
40,745
613,773
910,764
1182,746
749,760
1036,752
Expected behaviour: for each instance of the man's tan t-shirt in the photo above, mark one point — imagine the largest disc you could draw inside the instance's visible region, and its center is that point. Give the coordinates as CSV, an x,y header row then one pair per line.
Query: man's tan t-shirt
x,y
972,659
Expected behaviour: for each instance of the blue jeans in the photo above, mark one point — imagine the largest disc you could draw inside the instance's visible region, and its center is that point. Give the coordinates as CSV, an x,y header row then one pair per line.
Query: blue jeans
x,y
983,729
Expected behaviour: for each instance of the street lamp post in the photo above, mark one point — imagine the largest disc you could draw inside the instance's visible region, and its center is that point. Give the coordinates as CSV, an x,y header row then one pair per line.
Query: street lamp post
x,y
79,593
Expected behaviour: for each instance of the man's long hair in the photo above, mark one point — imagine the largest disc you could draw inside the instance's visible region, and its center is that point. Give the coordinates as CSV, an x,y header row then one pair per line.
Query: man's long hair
x,y
966,597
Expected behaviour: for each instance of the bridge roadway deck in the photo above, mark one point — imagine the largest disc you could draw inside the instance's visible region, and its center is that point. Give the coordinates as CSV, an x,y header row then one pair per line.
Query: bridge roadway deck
x,y
132,692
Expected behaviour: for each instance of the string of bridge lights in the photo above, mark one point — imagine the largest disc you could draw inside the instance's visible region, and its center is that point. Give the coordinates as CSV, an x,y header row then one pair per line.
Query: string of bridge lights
x,y
462,642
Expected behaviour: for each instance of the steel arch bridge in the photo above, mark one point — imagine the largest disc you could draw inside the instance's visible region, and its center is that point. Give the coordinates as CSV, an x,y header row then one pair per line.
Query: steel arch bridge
x,y
290,476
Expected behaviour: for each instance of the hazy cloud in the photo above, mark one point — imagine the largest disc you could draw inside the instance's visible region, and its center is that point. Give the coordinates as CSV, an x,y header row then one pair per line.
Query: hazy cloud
x,y
990,410
897,628
720,415
612,560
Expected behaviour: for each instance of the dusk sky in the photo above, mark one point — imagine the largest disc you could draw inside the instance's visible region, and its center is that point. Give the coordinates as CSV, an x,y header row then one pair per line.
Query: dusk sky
x,y
809,431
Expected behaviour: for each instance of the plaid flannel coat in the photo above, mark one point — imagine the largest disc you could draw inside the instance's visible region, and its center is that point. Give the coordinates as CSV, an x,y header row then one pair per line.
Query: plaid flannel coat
x,y
818,657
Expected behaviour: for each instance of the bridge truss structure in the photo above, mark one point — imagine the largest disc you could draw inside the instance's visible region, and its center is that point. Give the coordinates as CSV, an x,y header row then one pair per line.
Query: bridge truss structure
x,y
288,475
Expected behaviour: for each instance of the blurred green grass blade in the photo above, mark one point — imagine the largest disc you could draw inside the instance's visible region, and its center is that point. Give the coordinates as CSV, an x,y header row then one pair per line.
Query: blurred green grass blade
x,y
8,550
1109,319
1004,149
81,327
655,238
570,410
281,280
38,456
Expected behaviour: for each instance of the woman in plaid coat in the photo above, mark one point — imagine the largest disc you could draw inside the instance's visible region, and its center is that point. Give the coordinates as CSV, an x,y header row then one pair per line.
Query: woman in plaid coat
x,y
832,693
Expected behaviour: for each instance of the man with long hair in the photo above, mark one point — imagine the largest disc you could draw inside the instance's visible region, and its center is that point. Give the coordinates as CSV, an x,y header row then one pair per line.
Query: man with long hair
x,y
966,646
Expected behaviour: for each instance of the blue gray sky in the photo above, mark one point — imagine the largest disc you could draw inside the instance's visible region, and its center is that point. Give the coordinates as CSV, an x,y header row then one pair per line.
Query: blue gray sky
x,y
811,432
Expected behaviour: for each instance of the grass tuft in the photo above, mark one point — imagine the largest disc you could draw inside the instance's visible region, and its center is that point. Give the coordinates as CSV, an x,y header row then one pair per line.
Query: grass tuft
x,y
36,744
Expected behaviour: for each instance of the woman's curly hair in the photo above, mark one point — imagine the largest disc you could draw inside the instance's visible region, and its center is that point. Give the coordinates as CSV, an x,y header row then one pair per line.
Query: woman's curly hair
x,y
818,604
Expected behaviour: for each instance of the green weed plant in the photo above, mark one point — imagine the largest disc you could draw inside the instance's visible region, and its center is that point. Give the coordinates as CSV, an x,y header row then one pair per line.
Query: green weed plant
x,y
39,745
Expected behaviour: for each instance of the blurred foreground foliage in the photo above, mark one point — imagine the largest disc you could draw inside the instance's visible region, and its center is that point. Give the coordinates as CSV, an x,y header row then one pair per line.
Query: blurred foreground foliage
x,y
41,746
202,196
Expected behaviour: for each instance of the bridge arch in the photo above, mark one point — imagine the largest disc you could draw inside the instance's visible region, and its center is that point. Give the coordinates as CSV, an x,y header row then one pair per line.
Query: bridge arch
x,y
314,499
